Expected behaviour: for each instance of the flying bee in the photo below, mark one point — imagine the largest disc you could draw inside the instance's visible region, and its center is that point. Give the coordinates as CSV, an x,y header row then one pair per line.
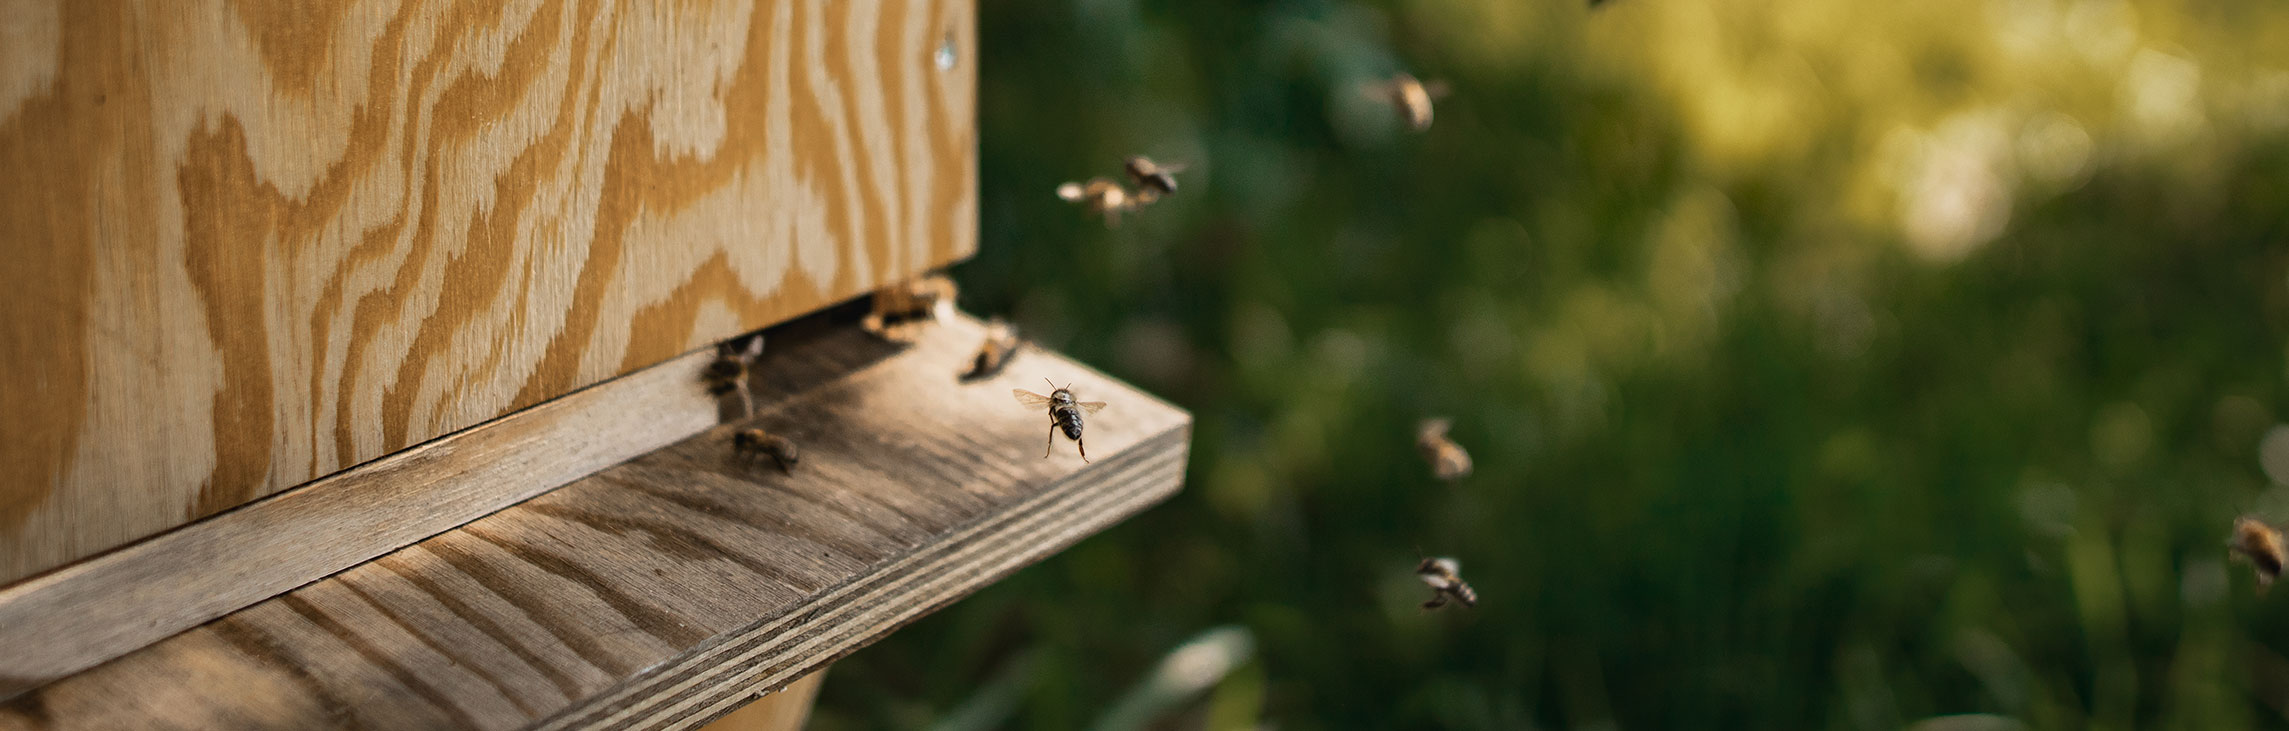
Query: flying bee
x,y
1000,345
1153,179
1064,413
1444,576
2262,546
754,444
726,376
1411,97
1103,197
1448,460
901,310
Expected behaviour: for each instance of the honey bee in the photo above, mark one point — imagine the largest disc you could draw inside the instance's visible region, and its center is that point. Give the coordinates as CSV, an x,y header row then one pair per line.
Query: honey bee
x,y
1448,460
1000,345
902,310
754,444
726,376
1444,576
1411,97
1064,413
1153,179
2262,546
1103,197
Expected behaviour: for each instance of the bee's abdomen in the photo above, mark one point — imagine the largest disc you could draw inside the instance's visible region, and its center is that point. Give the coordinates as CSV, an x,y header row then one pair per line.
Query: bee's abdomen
x,y
1070,421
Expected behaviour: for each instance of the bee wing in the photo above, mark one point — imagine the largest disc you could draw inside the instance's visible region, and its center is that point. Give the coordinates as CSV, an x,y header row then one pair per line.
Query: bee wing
x,y
1376,90
1436,89
1029,398
1431,429
1091,407
1071,192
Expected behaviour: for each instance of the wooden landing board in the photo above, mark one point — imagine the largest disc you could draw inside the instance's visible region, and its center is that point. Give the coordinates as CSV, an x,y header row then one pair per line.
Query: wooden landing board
x,y
665,591
73,618
250,244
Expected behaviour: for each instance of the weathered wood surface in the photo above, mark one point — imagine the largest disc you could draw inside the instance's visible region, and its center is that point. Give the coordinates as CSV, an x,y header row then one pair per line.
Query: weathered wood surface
x,y
71,619
784,709
665,591
251,244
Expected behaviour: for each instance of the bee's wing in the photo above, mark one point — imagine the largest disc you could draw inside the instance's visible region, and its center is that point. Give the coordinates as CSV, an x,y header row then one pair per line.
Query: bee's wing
x,y
1173,168
1071,192
1091,407
1029,398
1433,429
1376,90
1436,89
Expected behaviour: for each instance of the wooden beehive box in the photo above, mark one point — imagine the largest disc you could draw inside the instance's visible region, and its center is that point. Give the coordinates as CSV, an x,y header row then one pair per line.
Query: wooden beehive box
x,y
309,301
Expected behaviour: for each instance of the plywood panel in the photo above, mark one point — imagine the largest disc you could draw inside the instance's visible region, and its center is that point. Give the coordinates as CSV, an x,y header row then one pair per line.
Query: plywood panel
x,y
666,591
248,244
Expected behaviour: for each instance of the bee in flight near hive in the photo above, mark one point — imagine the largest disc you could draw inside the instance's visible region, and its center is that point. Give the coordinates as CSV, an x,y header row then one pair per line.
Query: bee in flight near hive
x,y
1103,197
726,376
1444,576
1065,413
1153,179
755,444
1000,345
902,310
2261,545
1411,97
1448,460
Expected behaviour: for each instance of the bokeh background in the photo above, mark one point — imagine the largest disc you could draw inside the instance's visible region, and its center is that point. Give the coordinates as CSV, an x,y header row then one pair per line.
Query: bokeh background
x,y
1827,365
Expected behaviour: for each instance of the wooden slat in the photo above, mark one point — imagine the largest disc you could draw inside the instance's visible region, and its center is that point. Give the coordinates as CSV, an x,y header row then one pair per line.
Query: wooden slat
x,y
665,591
69,620
251,244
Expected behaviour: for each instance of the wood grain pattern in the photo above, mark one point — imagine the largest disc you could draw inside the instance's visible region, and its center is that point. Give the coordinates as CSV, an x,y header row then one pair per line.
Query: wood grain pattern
x,y
253,243
71,619
665,591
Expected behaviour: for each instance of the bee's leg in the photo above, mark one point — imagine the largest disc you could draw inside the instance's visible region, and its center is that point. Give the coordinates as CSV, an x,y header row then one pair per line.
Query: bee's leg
x,y
1084,446
1052,443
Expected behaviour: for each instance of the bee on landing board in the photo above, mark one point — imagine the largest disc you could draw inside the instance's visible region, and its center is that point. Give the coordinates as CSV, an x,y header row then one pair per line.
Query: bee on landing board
x,y
901,310
1444,576
1411,97
2262,546
726,376
754,444
1153,179
1000,345
1065,414
1448,460
1103,197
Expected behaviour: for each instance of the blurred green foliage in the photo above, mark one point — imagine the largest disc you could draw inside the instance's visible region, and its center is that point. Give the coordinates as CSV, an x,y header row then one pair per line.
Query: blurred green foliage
x,y
1826,364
